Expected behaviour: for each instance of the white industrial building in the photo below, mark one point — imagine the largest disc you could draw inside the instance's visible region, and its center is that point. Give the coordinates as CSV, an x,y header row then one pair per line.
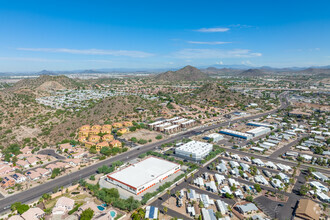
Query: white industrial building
x,y
259,124
215,137
194,150
139,177
236,134
256,132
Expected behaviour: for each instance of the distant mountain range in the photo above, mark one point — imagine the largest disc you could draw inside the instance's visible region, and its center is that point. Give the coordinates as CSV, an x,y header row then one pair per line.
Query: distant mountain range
x,y
213,70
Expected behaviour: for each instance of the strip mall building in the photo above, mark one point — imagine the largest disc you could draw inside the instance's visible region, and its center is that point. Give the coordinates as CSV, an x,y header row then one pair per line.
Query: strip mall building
x,y
143,175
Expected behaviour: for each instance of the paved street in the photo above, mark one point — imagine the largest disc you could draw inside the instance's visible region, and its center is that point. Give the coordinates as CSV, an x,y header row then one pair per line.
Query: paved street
x,y
51,152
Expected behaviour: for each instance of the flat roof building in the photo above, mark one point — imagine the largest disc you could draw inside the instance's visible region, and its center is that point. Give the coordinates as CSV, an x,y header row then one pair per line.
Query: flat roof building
x,y
214,136
307,209
139,177
194,150
256,132
236,134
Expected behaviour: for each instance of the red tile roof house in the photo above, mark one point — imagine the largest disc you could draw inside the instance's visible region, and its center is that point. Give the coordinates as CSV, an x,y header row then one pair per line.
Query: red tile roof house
x,y
7,182
74,162
56,165
62,165
63,205
16,217
79,153
5,169
32,160
33,214
21,156
43,158
66,146
26,150
19,178
33,175
23,164
43,172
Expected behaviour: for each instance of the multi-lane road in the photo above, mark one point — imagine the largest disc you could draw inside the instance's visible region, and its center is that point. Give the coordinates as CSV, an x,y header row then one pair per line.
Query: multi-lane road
x,y
36,192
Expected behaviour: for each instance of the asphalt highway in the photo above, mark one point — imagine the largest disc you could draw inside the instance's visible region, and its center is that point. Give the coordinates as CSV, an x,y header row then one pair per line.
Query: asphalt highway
x,y
38,191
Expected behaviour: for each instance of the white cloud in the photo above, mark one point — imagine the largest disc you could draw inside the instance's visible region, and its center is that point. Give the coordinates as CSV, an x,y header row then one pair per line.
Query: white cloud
x,y
219,63
212,30
208,42
100,61
29,59
128,53
247,62
214,53
240,26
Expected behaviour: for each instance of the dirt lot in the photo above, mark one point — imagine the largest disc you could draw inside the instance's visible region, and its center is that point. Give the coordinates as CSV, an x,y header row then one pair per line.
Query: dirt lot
x,y
143,134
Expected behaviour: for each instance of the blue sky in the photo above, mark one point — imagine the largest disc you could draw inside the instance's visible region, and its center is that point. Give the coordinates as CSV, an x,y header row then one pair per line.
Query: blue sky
x,y
70,35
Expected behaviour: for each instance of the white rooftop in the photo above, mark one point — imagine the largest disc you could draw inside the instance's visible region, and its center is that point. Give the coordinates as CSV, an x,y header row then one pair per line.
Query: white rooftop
x,y
196,147
143,172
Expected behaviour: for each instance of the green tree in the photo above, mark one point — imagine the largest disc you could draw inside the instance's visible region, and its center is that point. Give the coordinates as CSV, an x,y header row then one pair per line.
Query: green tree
x,y
21,208
106,151
249,198
257,187
87,214
303,190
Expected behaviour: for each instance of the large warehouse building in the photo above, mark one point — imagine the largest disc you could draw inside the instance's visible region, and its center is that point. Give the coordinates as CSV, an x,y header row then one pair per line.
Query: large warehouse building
x,y
141,176
194,150
256,132
236,134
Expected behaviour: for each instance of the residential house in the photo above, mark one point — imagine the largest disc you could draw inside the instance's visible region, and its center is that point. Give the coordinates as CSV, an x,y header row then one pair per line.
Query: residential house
x,y
5,169
82,139
66,146
247,208
102,144
94,138
63,205
127,124
15,217
106,127
33,175
19,178
115,143
94,131
79,153
123,131
43,172
26,150
32,160
117,125
96,127
108,137
74,162
23,164
7,182
33,214
89,205
83,133
85,128
89,144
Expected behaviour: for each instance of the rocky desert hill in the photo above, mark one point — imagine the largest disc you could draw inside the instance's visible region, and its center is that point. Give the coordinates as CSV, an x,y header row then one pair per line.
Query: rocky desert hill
x,y
252,73
188,73
44,83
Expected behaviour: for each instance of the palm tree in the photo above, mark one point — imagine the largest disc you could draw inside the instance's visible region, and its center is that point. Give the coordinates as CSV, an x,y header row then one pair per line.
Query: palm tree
x,y
165,210
168,193
192,177
177,193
